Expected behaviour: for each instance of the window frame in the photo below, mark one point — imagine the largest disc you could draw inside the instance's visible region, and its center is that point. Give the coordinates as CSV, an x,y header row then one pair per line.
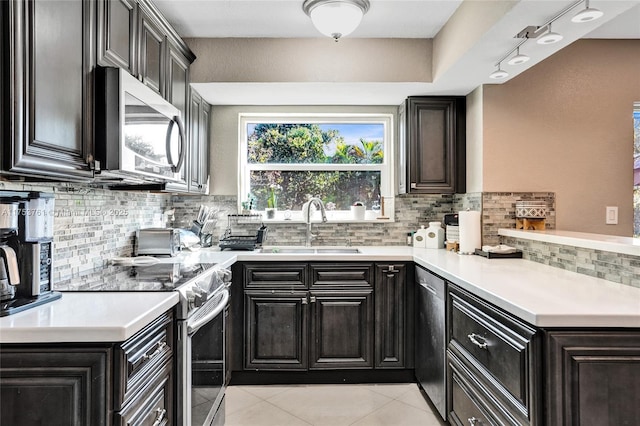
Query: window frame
x,y
386,168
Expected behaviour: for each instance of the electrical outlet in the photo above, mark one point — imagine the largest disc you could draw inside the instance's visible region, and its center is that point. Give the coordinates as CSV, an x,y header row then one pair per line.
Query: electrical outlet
x,y
611,217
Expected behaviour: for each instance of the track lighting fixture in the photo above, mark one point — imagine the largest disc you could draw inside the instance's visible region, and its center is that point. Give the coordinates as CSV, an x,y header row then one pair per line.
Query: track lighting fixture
x,y
550,37
587,14
499,73
518,58
544,35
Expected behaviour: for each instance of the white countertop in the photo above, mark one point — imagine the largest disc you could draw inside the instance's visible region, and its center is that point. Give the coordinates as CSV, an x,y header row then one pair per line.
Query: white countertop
x,y
541,295
86,317
611,243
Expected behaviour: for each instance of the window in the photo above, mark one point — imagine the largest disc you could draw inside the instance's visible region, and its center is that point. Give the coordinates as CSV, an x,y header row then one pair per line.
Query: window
x,y
341,159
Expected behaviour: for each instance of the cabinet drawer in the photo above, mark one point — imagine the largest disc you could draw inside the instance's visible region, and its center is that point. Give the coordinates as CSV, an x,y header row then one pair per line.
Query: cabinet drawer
x,y
153,406
497,344
470,405
137,359
276,275
341,275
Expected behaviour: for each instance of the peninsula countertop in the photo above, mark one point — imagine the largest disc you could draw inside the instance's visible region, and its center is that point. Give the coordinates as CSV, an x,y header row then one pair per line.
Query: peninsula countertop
x,y
541,295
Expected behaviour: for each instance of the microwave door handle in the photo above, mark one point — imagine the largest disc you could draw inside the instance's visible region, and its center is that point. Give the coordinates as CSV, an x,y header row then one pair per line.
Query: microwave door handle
x,y
175,168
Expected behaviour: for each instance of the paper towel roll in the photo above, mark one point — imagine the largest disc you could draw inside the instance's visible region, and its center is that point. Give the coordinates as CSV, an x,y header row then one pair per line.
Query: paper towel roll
x,y
470,234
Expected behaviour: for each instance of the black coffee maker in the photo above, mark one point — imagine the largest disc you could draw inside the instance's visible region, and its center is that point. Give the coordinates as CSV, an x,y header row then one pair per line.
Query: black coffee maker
x,y
26,243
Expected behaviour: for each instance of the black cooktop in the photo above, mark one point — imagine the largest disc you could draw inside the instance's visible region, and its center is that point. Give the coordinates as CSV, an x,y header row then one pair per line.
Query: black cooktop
x,y
158,277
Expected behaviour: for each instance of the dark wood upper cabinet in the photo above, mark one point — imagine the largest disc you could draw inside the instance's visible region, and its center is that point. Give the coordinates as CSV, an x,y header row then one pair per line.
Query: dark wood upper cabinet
x,y
48,58
433,150
116,34
151,58
199,144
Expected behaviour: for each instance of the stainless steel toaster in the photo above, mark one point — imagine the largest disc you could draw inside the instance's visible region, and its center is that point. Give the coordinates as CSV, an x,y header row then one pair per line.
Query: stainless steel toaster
x,y
157,242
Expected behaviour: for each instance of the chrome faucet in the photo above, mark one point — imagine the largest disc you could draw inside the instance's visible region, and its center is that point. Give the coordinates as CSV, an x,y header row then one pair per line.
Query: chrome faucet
x,y
318,202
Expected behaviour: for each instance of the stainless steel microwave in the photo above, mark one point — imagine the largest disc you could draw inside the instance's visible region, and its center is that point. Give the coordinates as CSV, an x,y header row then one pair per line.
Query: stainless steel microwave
x,y
139,135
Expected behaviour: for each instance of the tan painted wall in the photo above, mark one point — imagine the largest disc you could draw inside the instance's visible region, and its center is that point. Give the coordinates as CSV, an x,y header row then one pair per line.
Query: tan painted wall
x,y
565,126
310,60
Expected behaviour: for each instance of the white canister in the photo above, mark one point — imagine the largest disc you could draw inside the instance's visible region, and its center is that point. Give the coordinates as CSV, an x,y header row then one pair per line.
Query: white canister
x,y
420,238
435,236
357,212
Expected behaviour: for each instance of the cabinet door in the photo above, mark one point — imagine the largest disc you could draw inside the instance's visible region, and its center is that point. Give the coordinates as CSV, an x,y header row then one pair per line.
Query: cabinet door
x,y
177,92
593,378
151,57
390,290
199,141
276,330
55,387
50,108
203,172
116,33
342,327
436,145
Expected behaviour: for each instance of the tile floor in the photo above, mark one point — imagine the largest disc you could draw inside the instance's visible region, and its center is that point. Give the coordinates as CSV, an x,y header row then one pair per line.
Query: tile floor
x,y
329,405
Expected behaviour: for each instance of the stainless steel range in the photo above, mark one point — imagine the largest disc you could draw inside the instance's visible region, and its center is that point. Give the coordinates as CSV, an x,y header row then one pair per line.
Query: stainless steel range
x,y
201,318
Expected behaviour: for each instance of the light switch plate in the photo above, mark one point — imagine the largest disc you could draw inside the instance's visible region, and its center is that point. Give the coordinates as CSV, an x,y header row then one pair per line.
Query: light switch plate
x,y
611,215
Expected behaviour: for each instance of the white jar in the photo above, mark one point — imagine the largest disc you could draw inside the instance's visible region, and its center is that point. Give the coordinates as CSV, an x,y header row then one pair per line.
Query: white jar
x,y
435,236
420,237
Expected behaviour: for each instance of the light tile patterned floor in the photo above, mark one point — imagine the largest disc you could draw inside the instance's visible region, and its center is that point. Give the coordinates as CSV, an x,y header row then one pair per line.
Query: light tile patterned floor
x,y
329,405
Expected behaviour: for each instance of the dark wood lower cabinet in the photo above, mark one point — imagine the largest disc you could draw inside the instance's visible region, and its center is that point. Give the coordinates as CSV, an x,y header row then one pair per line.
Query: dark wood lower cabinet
x,y
593,378
275,330
324,316
124,383
342,329
63,386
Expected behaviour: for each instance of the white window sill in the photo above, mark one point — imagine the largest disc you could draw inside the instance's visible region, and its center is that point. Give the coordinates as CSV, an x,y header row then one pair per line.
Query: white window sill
x,y
332,217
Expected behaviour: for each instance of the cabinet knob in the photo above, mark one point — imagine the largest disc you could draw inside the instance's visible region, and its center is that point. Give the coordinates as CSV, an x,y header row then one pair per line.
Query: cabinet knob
x,y
414,185
392,269
312,299
473,421
478,340
304,301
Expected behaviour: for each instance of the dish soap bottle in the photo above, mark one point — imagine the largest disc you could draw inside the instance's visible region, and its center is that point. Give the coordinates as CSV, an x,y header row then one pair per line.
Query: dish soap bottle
x,y
420,238
434,236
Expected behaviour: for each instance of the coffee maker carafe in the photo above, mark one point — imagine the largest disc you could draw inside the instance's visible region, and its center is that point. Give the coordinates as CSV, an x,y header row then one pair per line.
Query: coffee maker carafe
x,y
9,269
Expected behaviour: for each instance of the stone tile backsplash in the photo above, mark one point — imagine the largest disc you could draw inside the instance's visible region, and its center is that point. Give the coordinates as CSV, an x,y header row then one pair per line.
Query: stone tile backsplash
x,y
620,268
93,225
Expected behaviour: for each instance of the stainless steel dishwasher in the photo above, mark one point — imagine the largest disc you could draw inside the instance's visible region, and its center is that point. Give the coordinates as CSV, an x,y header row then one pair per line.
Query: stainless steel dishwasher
x,y
430,338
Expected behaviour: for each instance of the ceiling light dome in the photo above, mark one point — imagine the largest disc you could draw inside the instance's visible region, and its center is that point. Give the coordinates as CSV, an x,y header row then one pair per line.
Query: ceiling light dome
x,y
518,58
587,14
336,18
550,37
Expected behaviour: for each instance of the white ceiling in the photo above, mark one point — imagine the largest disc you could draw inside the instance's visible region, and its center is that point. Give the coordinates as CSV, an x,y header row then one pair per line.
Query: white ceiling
x,y
386,19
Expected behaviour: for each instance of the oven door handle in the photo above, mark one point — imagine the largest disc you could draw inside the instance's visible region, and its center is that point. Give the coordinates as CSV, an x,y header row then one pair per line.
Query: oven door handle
x,y
193,327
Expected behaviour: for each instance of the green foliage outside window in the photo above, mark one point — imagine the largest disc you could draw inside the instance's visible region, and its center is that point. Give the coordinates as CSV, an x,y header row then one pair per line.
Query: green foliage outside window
x,y
311,144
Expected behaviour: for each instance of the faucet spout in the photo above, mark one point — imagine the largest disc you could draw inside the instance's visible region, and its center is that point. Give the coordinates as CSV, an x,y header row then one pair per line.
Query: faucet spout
x,y
307,217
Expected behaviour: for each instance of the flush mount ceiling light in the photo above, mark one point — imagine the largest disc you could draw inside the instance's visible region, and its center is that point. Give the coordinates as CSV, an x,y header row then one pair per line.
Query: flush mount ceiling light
x,y
587,14
518,58
336,18
499,74
550,37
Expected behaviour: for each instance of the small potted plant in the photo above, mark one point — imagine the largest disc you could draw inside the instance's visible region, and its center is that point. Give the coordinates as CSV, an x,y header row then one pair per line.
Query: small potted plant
x,y
272,201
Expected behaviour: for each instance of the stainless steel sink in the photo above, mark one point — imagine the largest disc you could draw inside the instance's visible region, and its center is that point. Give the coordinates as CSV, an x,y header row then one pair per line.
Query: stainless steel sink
x,y
287,250
337,250
294,250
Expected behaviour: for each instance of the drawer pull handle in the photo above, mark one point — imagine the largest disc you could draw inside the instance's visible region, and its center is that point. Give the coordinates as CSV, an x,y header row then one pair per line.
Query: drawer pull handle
x,y
160,414
161,346
478,340
473,421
